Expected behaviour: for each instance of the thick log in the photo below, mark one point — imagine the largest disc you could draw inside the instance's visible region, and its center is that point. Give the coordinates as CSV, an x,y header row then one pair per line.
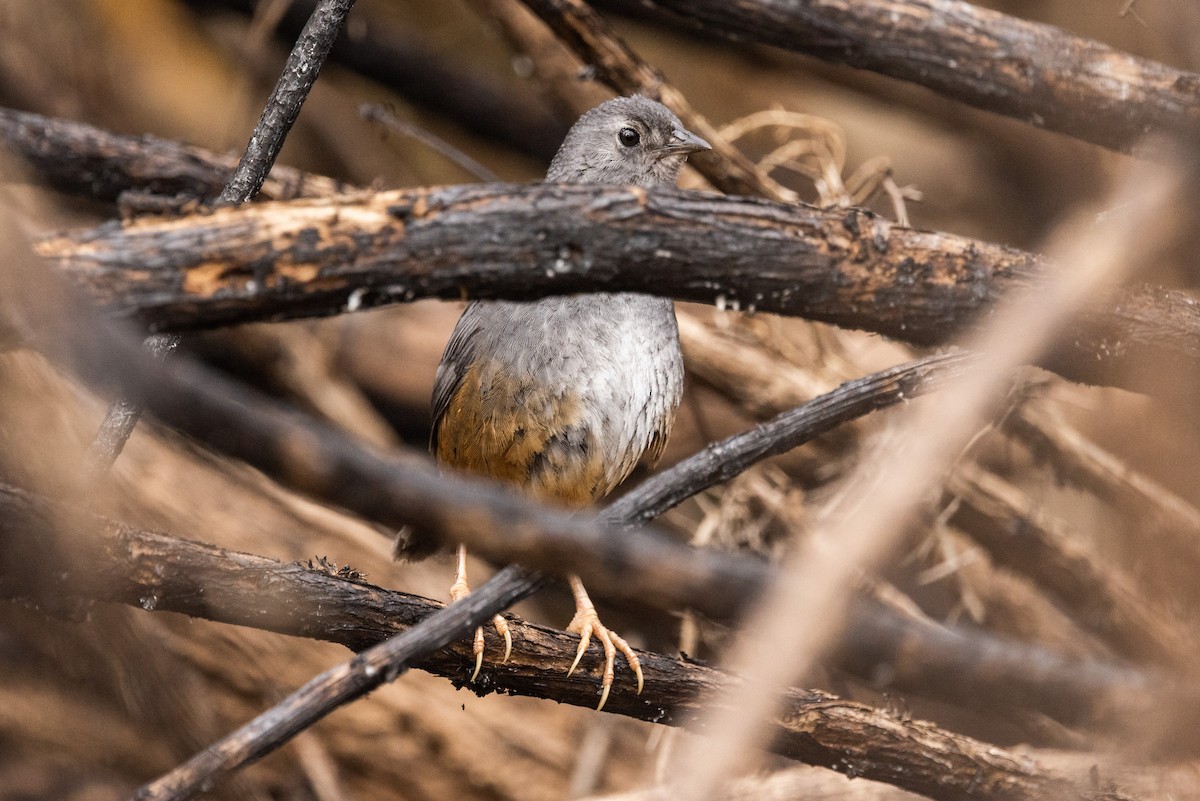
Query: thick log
x,y
312,258
153,570
1031,71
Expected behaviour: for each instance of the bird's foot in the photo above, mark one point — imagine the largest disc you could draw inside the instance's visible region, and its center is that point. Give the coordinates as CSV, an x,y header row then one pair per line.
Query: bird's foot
x,y
460,590
586,624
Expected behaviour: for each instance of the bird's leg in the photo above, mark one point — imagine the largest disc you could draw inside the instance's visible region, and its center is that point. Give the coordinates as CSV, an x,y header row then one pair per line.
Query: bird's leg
x,y
586,623
459,590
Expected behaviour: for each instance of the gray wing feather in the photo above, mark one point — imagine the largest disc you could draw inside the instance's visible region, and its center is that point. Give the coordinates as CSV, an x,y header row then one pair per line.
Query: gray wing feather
x,y
457,358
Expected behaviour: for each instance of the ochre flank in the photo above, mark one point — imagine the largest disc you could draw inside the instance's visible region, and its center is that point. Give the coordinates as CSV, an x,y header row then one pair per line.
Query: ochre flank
x,y
514,431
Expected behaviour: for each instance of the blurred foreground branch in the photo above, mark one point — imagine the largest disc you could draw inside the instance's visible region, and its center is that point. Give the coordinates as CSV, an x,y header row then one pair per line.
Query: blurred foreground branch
x,y
390,489
152,570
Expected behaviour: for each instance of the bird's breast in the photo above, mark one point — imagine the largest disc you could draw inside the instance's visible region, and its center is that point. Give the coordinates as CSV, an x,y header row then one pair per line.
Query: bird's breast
x,y
563,396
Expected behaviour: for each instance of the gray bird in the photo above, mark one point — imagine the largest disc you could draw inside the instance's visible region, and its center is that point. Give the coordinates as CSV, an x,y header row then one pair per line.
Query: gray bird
x,y
564,396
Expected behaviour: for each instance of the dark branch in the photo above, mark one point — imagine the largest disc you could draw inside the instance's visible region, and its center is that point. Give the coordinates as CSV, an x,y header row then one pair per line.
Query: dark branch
x,y
122,417
299,74
1034,72
81,159
313,458
722,461
849,268
144,568
283,107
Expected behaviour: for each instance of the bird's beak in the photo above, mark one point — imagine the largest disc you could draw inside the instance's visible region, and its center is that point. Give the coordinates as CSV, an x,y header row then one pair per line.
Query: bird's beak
x,y
683,142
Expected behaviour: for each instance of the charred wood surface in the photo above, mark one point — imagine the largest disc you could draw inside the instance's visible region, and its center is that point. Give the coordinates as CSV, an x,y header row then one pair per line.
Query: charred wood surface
x,y
144,568
1034,72
320,257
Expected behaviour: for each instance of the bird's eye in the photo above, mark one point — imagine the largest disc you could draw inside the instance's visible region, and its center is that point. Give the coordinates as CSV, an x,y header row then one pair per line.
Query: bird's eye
x,y
629,137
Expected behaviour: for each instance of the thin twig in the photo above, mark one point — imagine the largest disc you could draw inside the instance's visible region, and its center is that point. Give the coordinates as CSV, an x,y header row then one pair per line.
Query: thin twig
x,y
122,417
283,107
723,460
373,112
299,74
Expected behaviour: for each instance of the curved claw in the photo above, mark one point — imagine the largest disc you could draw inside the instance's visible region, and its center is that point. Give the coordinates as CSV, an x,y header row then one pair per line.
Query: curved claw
x,y
603,696
478,648
635,664
501,626
585,625
585,638
507,647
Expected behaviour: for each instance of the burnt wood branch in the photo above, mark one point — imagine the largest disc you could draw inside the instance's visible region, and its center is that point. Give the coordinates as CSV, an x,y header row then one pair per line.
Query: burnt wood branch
x,y
81,159
156,571
311,258
724,460
1034,72
228,422
300,72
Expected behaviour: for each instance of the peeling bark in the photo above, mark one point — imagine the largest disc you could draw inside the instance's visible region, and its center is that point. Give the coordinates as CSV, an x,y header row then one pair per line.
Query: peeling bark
x,y
313,258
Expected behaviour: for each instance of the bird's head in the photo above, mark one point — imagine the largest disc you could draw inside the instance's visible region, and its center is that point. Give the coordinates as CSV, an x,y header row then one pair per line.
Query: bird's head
x,y
627,140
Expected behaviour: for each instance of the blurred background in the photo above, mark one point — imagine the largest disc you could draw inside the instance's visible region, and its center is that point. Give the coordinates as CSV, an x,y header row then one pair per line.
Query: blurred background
x,y
96,699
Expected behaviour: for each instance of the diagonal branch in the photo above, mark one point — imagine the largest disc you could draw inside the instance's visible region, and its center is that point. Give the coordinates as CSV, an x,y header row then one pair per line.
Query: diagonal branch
x,y
145,568
266,141
1031,71
304,63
